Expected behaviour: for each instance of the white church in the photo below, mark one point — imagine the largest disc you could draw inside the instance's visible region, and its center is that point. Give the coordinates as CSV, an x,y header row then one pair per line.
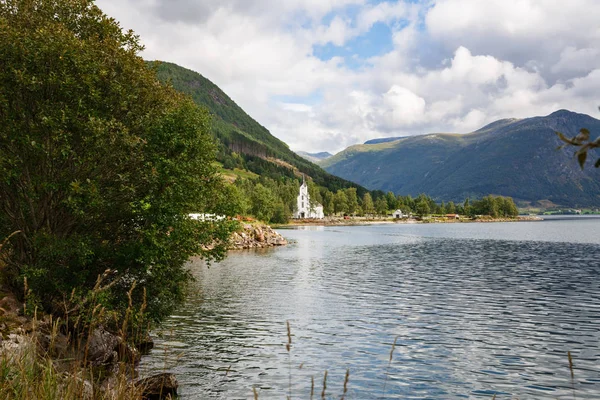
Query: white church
x,y
304,209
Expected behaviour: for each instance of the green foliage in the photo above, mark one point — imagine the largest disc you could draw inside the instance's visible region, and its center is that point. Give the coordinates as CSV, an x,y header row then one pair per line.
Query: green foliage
x,y
99,162
495,207
392,201
422,208
381,206
450,208
328,203
340,202
264,202
368,207
352,198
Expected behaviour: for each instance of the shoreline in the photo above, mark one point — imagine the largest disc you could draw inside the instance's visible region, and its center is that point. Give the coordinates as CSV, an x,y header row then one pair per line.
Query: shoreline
x,y
359,221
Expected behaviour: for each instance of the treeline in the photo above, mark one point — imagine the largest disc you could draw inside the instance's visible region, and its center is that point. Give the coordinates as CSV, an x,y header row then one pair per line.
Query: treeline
x,y
274,200
493,206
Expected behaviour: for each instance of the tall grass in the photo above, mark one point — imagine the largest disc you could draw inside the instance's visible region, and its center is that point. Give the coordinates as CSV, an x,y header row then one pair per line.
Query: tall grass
x,y
33,368
25,374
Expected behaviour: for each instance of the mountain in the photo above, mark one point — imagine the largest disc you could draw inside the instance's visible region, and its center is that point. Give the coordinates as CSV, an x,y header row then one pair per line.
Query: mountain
x,y
241,136
314,157
384,140
510,157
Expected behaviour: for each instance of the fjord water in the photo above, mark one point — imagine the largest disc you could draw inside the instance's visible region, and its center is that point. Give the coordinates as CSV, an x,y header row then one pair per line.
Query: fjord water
x,y
477,310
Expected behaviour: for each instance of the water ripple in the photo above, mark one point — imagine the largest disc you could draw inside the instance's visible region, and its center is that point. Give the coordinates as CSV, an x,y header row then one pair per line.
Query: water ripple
x,y
473,318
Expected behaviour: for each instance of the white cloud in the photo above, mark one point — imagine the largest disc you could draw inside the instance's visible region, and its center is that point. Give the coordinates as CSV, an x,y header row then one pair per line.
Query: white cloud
x,y
573,60
455,64
402,107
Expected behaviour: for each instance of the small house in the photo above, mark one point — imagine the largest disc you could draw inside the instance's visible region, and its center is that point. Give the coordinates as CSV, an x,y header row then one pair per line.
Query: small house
x,y
398,214
452,216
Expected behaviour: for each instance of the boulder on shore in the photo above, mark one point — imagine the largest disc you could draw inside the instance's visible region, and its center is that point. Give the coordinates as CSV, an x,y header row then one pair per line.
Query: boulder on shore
x,y
256,237
158,387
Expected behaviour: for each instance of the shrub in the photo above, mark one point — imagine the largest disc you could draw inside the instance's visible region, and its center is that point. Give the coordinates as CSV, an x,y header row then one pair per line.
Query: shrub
x,y
99,163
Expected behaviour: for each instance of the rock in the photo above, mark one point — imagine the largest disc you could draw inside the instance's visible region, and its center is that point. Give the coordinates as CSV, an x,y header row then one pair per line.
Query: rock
x,y
102,347
158,387
259,235
256,237
15,343
144,344
9,304
57,346
129,354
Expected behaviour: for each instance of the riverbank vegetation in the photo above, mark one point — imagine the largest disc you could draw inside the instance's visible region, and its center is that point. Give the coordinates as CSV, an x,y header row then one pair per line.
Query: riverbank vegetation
x,y
100,164
274,201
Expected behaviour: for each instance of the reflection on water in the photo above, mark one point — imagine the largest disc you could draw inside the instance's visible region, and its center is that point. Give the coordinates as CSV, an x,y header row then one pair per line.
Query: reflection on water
x,y
473,317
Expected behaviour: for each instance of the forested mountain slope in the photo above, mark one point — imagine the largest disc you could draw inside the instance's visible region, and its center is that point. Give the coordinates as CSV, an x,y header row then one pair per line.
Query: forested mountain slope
x,y
244,142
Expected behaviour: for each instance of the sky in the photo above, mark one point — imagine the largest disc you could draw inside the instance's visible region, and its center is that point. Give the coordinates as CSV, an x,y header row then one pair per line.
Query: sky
x,y
322,75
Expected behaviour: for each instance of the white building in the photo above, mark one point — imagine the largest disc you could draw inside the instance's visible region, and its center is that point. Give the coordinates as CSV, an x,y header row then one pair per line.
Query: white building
x,y
399,214
207,217
304,208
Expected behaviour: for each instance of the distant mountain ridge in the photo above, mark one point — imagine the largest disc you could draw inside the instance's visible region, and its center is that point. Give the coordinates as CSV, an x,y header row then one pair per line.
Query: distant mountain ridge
x,y
314,157
384,140
510,157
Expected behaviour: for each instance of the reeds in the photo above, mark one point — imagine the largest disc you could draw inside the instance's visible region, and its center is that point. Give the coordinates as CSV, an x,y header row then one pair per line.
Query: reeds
x,y
34,368
324,385
346,379
387,370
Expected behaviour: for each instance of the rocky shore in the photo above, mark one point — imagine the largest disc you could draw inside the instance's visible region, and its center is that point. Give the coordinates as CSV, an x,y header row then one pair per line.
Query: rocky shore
x,y
97,363
256,237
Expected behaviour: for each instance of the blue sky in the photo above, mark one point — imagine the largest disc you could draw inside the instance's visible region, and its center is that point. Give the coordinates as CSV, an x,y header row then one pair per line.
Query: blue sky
x,y
326,74
377,41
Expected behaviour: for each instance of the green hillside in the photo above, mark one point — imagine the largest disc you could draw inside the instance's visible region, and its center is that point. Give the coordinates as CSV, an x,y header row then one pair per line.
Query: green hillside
x,y
517,158
244,143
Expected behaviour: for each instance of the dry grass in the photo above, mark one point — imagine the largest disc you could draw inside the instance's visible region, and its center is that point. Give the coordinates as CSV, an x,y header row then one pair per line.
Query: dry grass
x,y
25,374
32,367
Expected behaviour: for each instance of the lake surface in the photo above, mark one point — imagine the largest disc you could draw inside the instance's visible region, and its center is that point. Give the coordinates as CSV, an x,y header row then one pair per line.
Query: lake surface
x,y
475,309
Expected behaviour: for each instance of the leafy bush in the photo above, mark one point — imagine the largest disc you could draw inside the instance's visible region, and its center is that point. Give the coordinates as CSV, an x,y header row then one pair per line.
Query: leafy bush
x,y
99,162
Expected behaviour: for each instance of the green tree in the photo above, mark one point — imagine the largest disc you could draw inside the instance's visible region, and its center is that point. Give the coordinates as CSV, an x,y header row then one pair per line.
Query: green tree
x,y
352,200
280,213
381,206
486,206
368,207
314,193
422,207
450,208
442,208
392,201
99,163
264,202
467,209
507,207
328,203
340,202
